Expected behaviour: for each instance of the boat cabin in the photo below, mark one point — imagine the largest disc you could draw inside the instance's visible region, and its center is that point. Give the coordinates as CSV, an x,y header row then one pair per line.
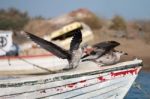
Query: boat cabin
x,y
64,35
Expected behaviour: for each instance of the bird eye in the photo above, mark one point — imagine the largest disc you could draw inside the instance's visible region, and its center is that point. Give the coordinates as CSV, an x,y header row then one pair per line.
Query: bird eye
x,y
94,53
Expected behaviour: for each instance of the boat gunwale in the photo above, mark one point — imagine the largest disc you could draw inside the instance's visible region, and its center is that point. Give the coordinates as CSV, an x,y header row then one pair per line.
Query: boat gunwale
x,y
26,56
65,77
60,86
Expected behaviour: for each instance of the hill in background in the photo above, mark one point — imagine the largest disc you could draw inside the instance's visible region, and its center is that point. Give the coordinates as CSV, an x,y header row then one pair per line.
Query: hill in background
x,y
134,35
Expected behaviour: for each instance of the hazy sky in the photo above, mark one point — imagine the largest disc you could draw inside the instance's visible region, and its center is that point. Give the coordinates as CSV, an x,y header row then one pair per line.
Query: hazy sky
x,y
129,9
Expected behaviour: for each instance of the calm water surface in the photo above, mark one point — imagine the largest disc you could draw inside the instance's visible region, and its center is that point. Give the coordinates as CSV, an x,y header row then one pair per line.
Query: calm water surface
x,y
144,81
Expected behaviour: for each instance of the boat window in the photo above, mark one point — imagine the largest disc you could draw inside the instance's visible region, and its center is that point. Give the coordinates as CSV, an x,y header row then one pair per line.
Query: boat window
x,y
64,36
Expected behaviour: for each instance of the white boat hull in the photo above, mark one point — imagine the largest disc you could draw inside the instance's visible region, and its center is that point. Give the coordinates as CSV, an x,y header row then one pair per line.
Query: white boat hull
x,y
86,81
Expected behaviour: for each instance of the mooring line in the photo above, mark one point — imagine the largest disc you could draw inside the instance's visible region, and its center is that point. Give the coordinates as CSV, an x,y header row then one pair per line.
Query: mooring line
x,y
50,71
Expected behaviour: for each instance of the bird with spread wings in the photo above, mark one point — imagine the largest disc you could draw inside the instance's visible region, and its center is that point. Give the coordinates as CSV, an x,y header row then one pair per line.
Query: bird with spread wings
x,y
73,55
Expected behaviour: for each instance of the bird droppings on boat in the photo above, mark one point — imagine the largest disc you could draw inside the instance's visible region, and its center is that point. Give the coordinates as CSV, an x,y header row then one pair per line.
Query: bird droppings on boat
x,y
131,71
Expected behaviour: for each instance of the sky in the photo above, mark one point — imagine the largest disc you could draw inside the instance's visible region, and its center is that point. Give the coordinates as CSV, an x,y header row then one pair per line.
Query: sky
x,y
129,9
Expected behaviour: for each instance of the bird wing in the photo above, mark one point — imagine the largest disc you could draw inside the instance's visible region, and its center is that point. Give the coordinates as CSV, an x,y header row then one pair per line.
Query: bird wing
x,y
76,40
94,54
102,48
106,45
49,46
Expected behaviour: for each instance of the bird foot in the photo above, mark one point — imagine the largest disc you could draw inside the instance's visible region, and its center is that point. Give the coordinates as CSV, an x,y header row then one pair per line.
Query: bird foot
x,y
69,68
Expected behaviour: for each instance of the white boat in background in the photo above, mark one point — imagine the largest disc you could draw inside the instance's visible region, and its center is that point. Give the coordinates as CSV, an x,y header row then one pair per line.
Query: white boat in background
x,y
63,36
36,64
87,81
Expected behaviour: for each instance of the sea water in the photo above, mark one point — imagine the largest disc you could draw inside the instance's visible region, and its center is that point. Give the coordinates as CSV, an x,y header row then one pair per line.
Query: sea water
x,y
141,88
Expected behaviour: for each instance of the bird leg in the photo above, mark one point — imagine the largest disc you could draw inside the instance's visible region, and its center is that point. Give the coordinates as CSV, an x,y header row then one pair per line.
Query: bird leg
x,y
69,68
98,63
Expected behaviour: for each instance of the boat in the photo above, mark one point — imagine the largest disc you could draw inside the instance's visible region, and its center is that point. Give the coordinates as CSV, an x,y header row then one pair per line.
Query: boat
x,y
7,46
36,64
63,36
45,77
87,81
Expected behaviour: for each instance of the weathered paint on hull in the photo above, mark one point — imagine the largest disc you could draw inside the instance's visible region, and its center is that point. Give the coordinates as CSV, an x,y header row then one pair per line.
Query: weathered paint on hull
x,y
100,83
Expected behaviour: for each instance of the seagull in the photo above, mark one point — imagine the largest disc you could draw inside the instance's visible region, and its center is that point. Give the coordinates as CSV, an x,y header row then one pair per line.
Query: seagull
x,y
73,55
111,57
100,49
104,53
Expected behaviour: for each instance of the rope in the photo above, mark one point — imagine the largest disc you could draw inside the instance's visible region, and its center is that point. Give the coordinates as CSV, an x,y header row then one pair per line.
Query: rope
x,y
50,71
9,61
138,86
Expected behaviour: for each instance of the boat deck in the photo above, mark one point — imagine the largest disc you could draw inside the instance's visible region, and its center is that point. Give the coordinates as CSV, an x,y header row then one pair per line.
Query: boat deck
x,y
84,68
